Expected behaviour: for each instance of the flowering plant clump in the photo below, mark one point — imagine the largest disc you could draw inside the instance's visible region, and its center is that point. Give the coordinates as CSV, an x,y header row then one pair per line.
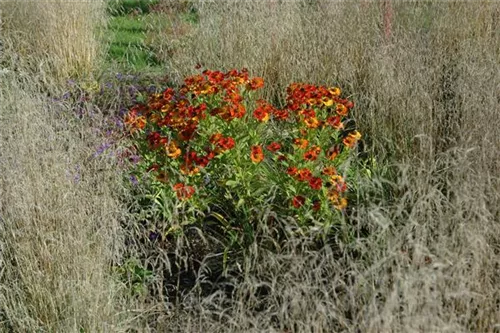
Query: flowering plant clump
x,y
211,144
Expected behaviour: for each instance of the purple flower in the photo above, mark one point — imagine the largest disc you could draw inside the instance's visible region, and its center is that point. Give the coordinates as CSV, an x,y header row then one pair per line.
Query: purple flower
x,y
153,236
102,148
119,76
66,95
133,180
134,159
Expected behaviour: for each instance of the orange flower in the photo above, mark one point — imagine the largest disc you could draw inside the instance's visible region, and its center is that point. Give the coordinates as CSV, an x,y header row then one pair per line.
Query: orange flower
x,y
315,183
304,175
300,143
339,183
292,171
188,168
256,154
274,147
312,154
341,110
298,201
226,143
312,122
334,91
349,104
329,171
351,139
172,150
255,83
332,153
335,122
261,115
183,192
338,202
215,138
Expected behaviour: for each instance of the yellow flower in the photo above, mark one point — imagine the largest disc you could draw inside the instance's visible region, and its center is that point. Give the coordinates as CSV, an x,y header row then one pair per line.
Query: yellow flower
x,y
312,122
327,101
172,150
334,91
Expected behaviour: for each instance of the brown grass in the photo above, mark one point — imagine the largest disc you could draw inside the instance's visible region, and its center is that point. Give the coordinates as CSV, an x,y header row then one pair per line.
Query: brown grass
x,y
420,252
58,37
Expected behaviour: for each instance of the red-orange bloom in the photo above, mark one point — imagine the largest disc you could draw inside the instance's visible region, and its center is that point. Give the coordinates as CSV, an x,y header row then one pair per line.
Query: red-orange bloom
x,y
329,171
215,138
315,183
281,114
339,183
335,122
300,143
312,122
298,201
261,115
274,147
341,110
226,143
316,205
256,154
332,153
255,83
304,175
351,139
312,154
292,171
183,192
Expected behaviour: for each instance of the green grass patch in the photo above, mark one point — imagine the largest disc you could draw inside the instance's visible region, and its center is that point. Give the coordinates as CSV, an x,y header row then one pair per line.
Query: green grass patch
x,y
124,7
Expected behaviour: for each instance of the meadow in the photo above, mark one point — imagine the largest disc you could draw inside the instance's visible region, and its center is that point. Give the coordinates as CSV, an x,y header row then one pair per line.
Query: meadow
x,y
154,159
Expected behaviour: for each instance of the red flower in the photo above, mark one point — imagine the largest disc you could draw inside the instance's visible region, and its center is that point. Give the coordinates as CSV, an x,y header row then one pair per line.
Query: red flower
x,y
341,110
298,201
255,83
312,154
183,192
215,138
281,114
316,205
256,154
261,115
292,171
304,175
226,143
349,104
274,147
335,122
333,152
300,143
329,171
315,183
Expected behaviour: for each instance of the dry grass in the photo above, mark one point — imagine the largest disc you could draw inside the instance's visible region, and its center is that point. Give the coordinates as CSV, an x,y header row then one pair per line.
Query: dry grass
x,y
421,250
59,229
427,102
58,37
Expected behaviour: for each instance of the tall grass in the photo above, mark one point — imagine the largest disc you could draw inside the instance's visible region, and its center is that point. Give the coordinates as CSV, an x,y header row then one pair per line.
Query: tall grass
x,y
59,37
59,217
427,103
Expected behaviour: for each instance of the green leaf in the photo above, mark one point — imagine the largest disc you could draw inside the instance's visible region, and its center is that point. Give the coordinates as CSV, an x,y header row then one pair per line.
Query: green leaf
x,y
240,203
232,183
